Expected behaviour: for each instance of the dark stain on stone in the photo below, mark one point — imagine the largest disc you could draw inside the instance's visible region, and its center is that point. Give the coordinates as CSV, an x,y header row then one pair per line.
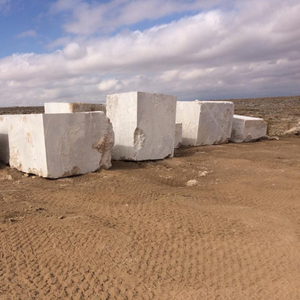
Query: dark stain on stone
x,y
74,171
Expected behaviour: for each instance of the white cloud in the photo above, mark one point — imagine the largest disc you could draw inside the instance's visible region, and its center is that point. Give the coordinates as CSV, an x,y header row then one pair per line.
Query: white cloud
x,y
74,51
108,85
250,50
87,18
28,33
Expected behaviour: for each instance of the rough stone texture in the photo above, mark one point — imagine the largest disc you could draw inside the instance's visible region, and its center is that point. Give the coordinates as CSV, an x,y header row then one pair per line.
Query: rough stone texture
x,y
144,125
246,129
295,130
205,122
60,145
61,108
4,148
178,135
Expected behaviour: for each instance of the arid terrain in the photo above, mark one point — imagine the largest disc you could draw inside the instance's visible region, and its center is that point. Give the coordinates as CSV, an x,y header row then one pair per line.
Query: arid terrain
x,y
281,113
214,222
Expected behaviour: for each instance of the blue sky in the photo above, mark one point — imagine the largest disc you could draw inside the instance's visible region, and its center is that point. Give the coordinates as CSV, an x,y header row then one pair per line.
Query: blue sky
x,y
31,25
24,16
80,50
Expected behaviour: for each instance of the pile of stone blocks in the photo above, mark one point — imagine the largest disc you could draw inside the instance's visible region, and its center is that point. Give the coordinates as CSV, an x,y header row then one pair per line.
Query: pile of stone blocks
x,y
60,145
77,138
205,122
178,135
144,125
246,129
61,108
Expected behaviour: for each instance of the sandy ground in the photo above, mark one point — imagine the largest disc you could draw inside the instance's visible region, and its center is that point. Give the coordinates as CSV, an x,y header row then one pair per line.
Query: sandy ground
x,y
138,231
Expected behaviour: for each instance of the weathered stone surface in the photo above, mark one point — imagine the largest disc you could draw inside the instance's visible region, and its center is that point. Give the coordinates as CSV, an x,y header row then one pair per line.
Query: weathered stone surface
x,y
246,129
295,130
205,122
144,125
61,108
178,135
60,145
4,148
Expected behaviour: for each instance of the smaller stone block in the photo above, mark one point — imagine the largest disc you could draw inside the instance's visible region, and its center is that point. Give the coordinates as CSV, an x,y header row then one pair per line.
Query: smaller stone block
x,y
60,145
246,129
178,135
62,108
205,122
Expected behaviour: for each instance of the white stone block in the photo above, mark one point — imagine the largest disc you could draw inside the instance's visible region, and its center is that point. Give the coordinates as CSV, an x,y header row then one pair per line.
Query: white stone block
x,y
178,135
205,122
4,149
144,125
62,108
60,145
246,129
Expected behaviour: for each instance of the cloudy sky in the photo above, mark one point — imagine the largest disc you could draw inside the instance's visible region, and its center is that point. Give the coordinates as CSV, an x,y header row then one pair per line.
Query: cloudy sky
x,y
81,50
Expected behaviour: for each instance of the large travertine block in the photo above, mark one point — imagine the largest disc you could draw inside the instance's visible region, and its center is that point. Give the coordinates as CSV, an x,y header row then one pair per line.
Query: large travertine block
x,y
4,148
62,108
178,135
246,129
60,145
205,122
144,125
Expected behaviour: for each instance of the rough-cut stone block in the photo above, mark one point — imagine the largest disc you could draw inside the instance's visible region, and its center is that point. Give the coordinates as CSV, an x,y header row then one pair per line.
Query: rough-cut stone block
x,y
4,148
60,145
144,125
246,129
205,122
62,108
178,135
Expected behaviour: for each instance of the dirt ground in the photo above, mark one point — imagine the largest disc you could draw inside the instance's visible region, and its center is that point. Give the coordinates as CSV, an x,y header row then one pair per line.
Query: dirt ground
x,y
215,222
139,231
